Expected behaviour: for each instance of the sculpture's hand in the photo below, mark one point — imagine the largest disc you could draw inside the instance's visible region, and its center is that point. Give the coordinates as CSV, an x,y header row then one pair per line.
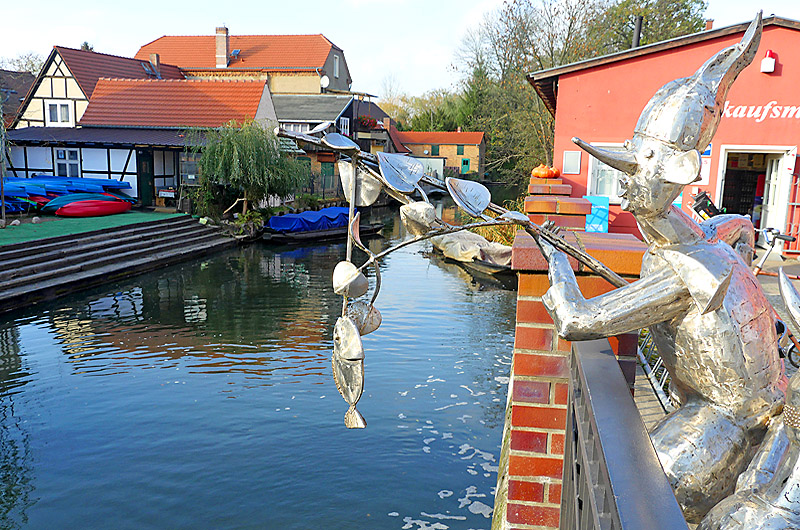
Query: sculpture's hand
x,y
548,250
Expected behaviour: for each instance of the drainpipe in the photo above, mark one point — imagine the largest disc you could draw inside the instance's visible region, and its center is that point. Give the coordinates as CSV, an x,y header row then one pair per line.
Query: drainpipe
x,y
637,31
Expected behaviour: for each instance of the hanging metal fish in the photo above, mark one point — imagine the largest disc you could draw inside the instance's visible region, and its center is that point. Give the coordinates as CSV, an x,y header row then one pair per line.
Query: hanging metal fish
x,y
348,369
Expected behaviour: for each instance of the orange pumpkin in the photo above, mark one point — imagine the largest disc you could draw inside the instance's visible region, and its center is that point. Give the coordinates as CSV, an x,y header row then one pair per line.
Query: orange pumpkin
x,y
544,172
556,173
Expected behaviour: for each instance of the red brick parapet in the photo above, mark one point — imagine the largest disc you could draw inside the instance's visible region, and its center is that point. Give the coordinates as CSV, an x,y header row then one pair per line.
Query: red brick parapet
x,y
530,475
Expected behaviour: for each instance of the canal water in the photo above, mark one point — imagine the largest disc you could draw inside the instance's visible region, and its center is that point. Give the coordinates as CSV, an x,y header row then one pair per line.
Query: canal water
x,y
201,396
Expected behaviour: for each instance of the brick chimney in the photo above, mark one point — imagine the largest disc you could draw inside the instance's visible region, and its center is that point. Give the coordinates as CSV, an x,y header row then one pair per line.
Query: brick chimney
x,y
709,23
155,62
222,47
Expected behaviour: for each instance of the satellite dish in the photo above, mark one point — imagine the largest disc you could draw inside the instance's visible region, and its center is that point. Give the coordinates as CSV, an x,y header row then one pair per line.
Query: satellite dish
x,y
324,81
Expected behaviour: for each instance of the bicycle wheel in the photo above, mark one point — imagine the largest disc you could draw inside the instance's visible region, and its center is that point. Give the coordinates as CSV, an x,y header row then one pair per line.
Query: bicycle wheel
x,y
793,355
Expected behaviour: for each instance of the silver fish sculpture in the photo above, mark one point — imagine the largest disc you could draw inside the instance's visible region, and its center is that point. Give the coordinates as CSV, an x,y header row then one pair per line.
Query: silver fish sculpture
x,y
348,368
347,340
349,379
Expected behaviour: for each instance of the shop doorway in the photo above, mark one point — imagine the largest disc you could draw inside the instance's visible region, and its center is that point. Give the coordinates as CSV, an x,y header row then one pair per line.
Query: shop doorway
x,y
752,185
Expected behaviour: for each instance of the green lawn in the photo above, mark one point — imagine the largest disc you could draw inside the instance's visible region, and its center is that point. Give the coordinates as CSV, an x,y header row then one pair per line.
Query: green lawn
x,y
60,226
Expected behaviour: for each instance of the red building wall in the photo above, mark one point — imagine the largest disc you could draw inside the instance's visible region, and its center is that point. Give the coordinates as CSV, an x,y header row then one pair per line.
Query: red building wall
x,y
602,104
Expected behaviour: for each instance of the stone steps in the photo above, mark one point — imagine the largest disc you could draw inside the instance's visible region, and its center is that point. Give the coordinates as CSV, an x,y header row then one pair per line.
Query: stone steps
x,y
48,268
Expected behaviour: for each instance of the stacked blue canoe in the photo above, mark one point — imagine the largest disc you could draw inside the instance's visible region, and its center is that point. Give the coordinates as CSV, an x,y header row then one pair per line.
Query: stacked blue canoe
x,y
50,193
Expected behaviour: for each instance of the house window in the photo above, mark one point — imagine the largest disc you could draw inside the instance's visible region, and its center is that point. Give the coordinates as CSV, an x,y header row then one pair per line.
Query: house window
x,y
460,150
58,114
434,150
67,163
604,179
336,66
190,167
464,165
344,126
296,127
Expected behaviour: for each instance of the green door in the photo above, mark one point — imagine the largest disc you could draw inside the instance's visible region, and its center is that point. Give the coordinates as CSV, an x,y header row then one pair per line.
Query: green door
x,y
464,165
144,176
328,177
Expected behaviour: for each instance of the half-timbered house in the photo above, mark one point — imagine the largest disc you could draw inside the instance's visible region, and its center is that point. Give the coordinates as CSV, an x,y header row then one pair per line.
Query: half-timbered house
x,y
135,130
61,91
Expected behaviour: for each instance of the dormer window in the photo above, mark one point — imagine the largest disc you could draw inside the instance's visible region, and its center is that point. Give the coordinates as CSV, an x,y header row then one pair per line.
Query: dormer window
x,y
58,114
336,66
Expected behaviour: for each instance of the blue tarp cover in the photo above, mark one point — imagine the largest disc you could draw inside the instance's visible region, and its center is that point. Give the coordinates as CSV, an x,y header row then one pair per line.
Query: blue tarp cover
x,y
332,217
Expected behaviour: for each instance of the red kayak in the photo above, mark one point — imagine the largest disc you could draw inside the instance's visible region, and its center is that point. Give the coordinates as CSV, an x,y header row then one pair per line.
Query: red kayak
x,y
92,208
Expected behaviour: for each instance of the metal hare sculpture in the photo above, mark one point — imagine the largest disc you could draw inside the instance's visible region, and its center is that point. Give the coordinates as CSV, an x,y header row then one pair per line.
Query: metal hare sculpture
x,y
707,313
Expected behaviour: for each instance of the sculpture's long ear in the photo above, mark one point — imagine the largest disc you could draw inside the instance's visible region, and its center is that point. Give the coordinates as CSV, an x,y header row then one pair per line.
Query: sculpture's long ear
x,y
682,168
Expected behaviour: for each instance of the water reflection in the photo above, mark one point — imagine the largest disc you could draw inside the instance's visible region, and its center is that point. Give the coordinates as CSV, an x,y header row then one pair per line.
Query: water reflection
x,y
16,470
173,389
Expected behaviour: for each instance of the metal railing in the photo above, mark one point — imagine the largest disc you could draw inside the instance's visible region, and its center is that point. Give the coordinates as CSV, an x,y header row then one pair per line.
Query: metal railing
x,y
654,369
612,476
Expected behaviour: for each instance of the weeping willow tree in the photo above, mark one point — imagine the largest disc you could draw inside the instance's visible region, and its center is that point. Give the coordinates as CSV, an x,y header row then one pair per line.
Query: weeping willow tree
x,y
246,159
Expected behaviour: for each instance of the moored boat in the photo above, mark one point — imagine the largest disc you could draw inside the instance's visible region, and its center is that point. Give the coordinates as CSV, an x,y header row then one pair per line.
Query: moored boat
x,y
326,224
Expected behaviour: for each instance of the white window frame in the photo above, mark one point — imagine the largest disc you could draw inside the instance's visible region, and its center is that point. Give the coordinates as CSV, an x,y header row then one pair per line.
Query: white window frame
x,y
344,126
336,66
61,105
296,127
595,167
62,158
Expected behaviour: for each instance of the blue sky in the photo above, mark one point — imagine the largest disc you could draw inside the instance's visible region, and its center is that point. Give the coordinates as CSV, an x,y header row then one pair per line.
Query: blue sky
x,y
411,42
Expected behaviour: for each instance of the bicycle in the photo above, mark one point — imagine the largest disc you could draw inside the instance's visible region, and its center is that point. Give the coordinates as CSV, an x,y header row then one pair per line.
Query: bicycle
x,y
791,351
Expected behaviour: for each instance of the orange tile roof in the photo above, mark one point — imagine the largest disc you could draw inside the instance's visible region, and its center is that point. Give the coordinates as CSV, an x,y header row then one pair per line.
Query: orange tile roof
x,y
446,138
88,67
262,52
172,103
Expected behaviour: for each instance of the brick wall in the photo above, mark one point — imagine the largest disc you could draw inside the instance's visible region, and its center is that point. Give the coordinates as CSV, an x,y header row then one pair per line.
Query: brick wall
x,y
529,480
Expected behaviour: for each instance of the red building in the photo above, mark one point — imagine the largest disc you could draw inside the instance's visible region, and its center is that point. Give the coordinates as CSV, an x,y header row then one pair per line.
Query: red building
x,y
750,167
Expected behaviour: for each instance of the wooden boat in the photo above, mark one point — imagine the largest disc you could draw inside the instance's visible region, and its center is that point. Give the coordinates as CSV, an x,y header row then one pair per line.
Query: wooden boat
x,y
93,208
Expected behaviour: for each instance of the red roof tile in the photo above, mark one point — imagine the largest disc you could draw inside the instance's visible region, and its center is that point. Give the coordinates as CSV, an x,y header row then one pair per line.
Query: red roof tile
x,y
172,103
88,67
446,138
263,52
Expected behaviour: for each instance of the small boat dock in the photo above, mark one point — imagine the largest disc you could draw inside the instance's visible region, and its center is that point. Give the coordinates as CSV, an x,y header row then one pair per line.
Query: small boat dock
x,y
43,261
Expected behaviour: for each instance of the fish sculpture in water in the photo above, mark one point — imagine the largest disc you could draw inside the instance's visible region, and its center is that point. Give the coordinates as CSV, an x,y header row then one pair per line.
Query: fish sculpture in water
x,y
348,369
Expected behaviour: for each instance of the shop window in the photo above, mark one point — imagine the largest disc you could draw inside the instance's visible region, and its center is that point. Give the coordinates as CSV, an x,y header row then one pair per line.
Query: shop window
x,y
604,179
68,163
464,165
460,150
58,114
434,150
